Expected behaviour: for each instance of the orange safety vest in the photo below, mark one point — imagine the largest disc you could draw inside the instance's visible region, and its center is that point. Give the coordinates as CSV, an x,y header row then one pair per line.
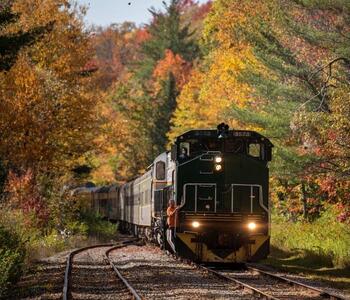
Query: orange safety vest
x,y
171,217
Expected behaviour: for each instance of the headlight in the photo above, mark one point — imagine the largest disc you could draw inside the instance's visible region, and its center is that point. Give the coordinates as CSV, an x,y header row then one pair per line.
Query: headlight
x,y
251,226
218,167
218,159
195,224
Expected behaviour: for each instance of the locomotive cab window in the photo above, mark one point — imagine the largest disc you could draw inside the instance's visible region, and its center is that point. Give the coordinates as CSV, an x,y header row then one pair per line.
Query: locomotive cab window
x,y
254,150
160,170
237,146
184,151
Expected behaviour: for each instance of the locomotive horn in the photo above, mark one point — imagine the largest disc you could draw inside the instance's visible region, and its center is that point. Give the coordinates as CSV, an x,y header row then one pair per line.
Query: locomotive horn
x,y
223,130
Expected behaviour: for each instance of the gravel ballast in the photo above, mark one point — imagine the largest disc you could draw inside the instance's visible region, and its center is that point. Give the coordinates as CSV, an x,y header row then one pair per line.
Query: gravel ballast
x,y
93,278
155,275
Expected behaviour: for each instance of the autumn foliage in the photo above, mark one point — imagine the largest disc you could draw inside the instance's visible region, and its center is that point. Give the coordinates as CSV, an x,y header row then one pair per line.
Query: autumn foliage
x,y
46,110
109,100
172,63
26,196
49,105
268,66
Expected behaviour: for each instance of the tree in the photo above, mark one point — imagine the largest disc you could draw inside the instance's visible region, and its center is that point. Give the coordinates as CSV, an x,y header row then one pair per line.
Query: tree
x,y
214,86
12,43
47,117
168,32
147,98
167,95
305,53
289,62
115,47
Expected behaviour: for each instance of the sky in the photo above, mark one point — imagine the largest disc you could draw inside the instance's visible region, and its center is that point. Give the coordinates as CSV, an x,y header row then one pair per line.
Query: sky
x,y
106,12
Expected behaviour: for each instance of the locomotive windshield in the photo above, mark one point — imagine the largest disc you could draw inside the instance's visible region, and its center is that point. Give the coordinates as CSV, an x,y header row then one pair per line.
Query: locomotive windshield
x,y
191,148
195,147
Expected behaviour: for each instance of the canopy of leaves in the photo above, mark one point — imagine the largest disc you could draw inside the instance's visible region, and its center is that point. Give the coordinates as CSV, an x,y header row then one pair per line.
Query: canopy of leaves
x,y
146,98
280,67
47,116
49,104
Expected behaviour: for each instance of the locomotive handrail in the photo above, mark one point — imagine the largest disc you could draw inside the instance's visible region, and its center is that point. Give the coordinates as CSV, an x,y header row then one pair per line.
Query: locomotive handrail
x,y
199,156
261,202
196,184
209,153
192,159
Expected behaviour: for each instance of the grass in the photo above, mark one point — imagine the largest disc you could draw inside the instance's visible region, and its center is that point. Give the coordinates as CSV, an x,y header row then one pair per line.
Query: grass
x,y
99,228
326,238
21,244
319,250
89,229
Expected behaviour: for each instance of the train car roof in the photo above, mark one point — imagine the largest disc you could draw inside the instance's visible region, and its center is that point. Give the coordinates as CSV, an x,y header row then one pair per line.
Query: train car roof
x,y
103,189
114,187
83,189
211,133
107,188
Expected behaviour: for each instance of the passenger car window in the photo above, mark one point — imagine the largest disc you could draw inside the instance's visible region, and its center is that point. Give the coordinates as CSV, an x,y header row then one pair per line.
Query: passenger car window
x,y
160,170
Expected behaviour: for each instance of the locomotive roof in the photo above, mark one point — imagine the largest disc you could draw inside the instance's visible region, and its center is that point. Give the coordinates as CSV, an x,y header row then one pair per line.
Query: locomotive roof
x,y
210,133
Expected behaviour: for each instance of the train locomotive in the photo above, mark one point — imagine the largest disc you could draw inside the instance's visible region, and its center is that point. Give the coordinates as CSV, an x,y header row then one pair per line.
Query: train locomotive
x,y
221,180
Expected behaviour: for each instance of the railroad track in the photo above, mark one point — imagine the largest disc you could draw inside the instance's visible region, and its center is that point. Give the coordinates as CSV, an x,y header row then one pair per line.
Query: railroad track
x,y
252,281
156,275
267,285
91,274
127,284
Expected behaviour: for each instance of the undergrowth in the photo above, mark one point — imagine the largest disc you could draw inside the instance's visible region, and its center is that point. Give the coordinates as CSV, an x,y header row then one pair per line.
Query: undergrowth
x,y
12,255
325,241
98,227
20,244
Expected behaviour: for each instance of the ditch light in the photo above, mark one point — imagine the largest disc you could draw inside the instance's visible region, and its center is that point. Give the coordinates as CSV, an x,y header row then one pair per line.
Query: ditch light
x,y
252,226
195,224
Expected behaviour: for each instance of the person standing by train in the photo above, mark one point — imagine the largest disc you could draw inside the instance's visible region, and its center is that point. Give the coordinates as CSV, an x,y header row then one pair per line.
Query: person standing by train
x,y
172,221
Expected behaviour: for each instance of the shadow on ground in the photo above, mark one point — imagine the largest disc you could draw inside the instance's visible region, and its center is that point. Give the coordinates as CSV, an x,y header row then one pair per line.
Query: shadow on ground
x,y
310,264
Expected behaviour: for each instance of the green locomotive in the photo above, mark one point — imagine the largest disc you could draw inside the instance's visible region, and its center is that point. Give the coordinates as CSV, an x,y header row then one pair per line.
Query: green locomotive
x,y
221,177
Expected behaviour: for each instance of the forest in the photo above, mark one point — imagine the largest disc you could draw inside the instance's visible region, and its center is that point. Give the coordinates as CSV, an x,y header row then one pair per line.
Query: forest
x,y
95,105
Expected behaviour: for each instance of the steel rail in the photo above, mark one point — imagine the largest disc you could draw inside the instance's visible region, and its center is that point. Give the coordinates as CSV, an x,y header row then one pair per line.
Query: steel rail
x,y
121,277
262,294
321,293
266,295
68,270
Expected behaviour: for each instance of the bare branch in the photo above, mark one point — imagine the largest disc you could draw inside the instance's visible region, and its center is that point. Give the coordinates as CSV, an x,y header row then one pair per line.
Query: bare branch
x,y
322,93
329,65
